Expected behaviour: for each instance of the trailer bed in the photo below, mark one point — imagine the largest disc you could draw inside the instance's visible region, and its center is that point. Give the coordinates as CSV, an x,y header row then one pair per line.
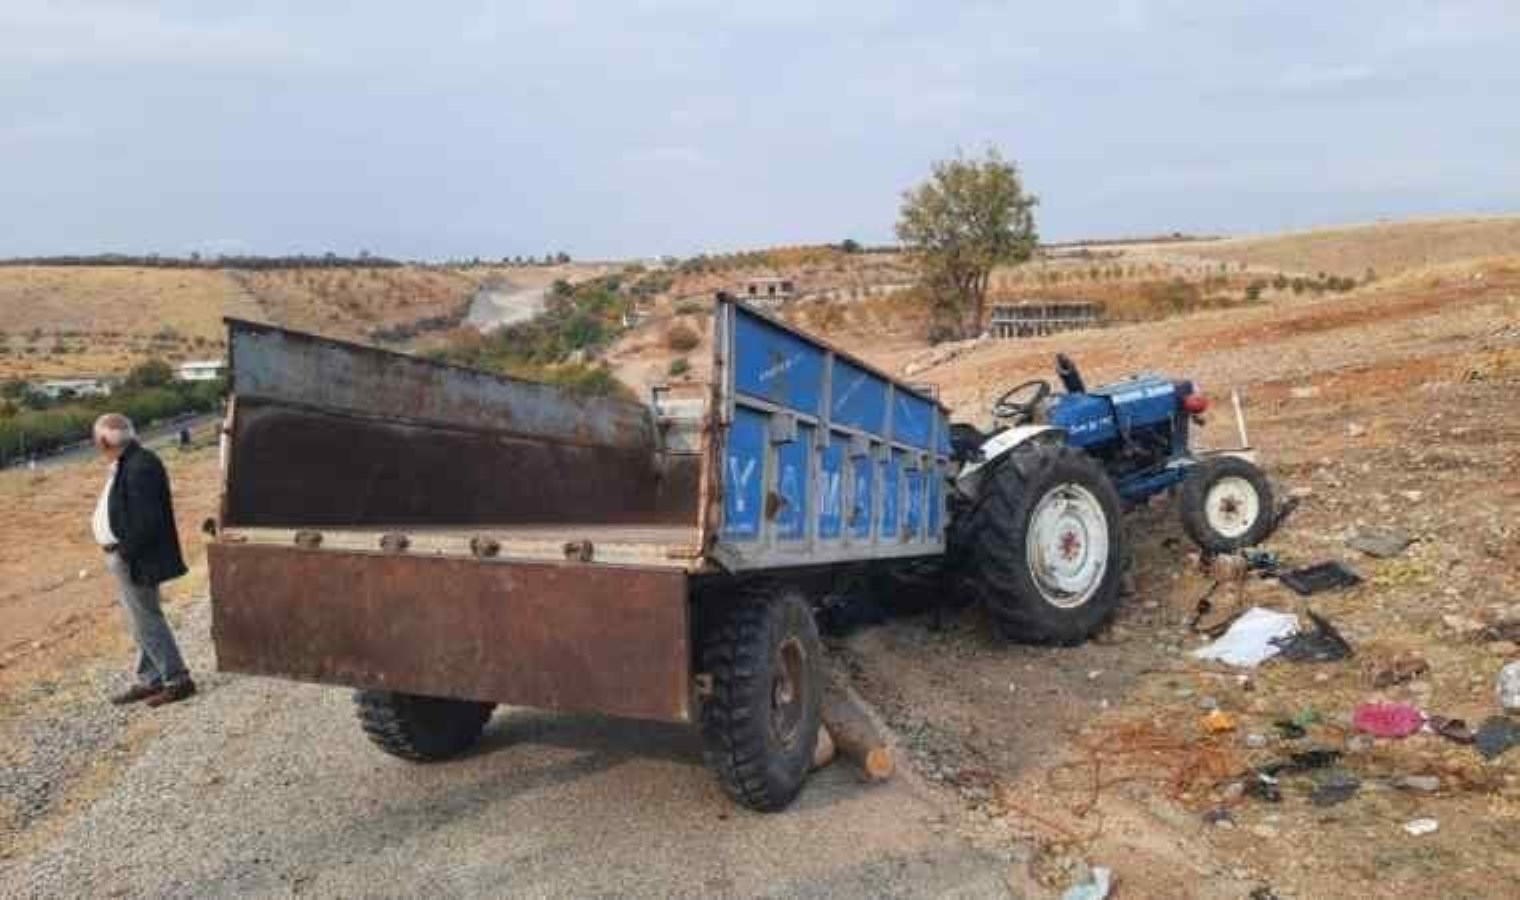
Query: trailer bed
x,y
656,546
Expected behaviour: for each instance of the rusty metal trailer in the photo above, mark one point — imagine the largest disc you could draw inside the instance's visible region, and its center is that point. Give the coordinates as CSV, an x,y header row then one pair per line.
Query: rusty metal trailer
x,y
445,540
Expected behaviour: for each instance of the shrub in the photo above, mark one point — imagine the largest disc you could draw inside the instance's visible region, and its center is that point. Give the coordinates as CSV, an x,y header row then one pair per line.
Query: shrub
x,y
682,338
1254,289
680,366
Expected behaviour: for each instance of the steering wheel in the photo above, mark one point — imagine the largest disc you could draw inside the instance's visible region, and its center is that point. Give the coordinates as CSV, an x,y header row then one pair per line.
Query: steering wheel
x,y
1009,406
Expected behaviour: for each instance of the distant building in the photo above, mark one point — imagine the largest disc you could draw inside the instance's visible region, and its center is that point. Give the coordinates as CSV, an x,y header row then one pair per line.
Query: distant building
x,y
1038,317
767,290
83,386
200,370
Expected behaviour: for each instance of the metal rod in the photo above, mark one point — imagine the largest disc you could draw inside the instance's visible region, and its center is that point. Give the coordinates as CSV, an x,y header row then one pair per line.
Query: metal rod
x,y
1240,420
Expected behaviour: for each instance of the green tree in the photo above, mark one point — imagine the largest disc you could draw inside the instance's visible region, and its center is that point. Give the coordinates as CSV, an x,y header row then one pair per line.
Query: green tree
x,y
150,373
970,216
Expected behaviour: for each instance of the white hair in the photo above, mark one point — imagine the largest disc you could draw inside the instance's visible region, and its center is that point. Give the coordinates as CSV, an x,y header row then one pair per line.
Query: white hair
x,y
115,430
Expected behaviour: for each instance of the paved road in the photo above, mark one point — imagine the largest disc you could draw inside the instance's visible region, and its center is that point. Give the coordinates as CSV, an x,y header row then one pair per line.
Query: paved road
x,y
157,436
268,788
494,307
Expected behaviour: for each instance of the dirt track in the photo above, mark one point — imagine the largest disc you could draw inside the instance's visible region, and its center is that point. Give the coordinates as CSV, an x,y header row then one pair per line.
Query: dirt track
x,y
1395,405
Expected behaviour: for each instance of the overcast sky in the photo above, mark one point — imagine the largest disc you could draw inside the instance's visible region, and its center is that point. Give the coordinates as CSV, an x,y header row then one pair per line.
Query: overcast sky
x,y
632,129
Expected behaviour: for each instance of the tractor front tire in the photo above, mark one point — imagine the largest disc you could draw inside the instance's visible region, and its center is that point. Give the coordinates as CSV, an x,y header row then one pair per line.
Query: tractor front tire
x,y
1227,504
421,729
1044,545
760,722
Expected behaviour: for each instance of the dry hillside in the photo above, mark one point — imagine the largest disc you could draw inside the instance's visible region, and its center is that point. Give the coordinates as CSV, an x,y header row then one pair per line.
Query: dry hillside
x,y
1385,247
58,321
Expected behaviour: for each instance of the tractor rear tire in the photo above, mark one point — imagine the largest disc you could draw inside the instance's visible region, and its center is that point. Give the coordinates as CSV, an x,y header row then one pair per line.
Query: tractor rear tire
x,y
1227,504
760,723
421,729
1045,545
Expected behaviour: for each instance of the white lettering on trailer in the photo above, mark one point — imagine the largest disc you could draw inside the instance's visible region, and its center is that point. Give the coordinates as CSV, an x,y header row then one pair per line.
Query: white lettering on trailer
x,y
741,478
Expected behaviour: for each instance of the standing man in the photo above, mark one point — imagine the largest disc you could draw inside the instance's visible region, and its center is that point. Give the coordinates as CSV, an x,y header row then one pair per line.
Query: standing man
x,y
134,525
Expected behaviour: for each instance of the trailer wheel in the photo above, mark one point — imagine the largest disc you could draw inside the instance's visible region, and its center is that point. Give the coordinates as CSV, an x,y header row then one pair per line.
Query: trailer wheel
x,y
1227,504
421,729
760,723
1045,545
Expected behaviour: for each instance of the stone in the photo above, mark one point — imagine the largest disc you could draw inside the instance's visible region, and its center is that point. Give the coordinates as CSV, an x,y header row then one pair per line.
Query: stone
x,y
1379,543
1256,741
1425,783
1264,831
1508,688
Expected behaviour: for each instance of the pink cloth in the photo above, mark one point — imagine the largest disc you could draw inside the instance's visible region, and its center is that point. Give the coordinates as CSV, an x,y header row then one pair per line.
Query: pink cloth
x,y
1388,719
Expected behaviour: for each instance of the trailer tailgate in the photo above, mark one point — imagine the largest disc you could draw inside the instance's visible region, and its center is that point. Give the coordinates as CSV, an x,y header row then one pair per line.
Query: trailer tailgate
x,y
602,638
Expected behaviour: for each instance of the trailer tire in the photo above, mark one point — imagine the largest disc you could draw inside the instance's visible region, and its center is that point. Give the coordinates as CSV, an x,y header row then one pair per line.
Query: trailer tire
x,y
760,721
421,729
1015,519
1227,504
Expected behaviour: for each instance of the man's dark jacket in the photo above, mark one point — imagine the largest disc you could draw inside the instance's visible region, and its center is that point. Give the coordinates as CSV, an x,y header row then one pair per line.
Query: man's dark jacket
x,y
142,517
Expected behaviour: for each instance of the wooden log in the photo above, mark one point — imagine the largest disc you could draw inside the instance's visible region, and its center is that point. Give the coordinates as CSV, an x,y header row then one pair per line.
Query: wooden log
x,y
855,735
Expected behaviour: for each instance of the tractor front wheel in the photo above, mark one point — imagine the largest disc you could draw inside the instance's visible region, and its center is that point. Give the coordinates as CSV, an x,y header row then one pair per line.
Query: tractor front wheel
x,y
1227,504
1044,545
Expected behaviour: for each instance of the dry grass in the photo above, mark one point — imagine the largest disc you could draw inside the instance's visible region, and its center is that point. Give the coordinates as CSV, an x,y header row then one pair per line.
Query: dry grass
x,y
357,303
100,320
1387,248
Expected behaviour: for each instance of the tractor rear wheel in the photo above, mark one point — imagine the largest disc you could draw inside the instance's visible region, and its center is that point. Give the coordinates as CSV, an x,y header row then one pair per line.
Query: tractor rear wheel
x,y
760,723
421,729
1227,504
1045,545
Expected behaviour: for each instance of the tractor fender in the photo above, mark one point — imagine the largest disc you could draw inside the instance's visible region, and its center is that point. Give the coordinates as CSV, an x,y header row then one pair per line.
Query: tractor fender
x,y
1000,445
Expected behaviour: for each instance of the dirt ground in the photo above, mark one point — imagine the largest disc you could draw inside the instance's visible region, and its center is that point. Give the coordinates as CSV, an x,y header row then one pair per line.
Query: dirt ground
x,y
1395,405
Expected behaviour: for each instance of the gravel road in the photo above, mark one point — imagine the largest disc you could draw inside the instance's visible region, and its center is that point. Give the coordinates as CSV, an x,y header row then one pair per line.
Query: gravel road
x,y
262,787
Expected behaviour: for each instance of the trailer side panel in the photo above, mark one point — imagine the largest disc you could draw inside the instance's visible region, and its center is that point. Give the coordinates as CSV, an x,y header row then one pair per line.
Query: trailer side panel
x,y
597,638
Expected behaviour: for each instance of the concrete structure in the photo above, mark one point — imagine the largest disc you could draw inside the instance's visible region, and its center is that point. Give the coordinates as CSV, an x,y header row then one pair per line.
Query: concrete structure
x,y
767,290
1032,318
83,386
200,370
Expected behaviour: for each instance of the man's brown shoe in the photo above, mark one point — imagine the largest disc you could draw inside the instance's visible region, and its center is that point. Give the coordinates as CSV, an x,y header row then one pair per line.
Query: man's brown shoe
x,y
135,693
173,693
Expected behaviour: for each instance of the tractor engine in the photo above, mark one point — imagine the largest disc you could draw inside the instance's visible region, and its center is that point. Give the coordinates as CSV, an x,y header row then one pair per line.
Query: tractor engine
x,y
1133,426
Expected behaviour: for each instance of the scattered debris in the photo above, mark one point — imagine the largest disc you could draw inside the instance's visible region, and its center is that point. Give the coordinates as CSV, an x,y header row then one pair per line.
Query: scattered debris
x,y
1507,630
1219,815
1248,642
1402,669
1508,688
1228,567
1390,720
1319,577
1451,729
1256,741
1418,827
1334,786
1096,887
1424,783
1218,722
1496,735
1323,644
1380,543
1264,787
1289,730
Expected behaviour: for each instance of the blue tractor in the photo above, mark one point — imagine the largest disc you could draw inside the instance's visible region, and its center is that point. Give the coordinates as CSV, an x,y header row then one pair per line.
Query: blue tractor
x,y
1036,533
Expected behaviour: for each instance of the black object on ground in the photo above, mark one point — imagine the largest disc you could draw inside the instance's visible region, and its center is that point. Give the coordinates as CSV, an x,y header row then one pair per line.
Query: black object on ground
x,y
1263,787
1334,786
1323,644
1496,735
1300,762
1323,576
1284,510
1451,729
1264,563
1289,730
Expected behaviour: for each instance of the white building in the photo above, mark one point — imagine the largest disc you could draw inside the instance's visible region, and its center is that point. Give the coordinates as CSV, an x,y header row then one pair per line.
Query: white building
x,y
84,386
200,370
